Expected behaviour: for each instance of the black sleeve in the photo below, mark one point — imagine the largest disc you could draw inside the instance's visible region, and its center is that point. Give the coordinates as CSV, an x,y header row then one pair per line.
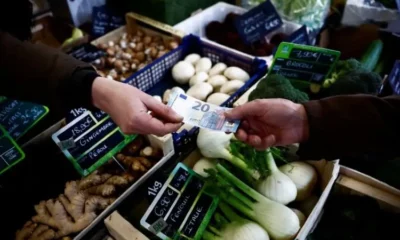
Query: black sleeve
x,y
347,126
37,73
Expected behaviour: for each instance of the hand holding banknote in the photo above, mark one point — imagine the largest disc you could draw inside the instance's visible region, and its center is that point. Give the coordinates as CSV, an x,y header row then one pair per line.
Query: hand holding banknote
x,y
270,122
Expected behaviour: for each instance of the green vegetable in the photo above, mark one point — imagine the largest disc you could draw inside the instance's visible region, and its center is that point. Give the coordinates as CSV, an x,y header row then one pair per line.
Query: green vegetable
x,y
371,56
356,82
277,86
342,68
280,221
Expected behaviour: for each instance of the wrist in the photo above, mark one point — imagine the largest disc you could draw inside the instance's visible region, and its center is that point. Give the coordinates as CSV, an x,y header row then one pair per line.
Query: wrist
x,y
101,92
304,129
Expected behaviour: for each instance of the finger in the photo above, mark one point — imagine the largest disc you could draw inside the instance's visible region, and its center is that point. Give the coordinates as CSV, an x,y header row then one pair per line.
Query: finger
x,y
245,125
163,111
241,135
155,126
261,143
242,111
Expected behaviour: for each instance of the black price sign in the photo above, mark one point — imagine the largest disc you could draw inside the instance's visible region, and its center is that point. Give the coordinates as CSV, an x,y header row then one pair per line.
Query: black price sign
x,y
104,21
181,209
74,113
306,63
18,117
89,142
10,152
87,53
394,78
300,36
255,24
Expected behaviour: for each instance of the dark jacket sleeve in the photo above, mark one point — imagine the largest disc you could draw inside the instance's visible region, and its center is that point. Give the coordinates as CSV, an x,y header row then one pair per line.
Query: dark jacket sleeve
x,y
346,126
37,73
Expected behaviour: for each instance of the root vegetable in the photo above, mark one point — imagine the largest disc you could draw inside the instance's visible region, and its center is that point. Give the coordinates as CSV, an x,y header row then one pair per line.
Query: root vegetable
x,y
151,152
231,87
198,78
200,91
182,72
236,73
217,81
217,98
218,69
166,96
192,58
203,65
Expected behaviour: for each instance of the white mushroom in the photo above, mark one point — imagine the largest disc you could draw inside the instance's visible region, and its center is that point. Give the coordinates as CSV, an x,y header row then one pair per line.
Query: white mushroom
x,y
198,78
203,65
218,68
192,58
182,72
236,73
200,91
217,98
217,81
166,96
231,87
177,90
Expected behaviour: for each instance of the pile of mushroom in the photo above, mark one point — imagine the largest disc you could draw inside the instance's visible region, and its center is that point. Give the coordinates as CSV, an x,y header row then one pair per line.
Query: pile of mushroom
x,y
130,54
213,84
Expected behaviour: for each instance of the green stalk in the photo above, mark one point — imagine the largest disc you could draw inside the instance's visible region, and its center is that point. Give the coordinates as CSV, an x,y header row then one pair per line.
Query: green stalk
x,y
214,230
221,220
233,191
241,185
229,213
234,202
210,236
238,162
271,162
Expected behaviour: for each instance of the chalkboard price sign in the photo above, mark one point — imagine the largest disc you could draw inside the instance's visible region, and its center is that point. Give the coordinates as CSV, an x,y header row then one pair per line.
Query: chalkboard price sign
x,y
89,142
300,36
255,24
394,78
182,206
104,20
18,117
304,63
10,152
76,112
87,53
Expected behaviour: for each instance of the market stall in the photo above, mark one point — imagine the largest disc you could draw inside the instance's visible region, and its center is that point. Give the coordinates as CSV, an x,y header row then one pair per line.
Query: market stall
x,y
200,182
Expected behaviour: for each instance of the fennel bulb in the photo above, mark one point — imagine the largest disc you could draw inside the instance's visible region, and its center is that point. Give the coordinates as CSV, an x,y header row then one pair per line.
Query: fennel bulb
x,y
304,177
213,144
301,216
306,206
235,227
202,164
280,221
276,186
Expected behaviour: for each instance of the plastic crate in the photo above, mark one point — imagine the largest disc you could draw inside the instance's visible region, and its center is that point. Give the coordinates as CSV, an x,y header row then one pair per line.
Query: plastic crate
x,y
156,77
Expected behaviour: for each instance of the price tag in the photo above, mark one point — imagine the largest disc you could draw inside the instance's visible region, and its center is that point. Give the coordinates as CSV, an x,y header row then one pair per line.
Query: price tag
x,y
304,63
182,206
87,53
74,113
255,24
300,36
105,21
10,152
394,78
18,117
88,142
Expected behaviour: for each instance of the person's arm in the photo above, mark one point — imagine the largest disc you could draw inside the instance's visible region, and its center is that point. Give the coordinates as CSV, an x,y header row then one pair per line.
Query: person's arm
x,y
351,125
37,73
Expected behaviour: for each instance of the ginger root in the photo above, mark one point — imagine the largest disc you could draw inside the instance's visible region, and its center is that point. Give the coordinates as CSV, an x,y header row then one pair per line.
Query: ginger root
x,y
137,164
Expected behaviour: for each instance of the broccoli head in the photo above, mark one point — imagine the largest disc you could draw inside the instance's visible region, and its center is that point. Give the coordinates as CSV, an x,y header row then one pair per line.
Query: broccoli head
x,y
277,86
355,82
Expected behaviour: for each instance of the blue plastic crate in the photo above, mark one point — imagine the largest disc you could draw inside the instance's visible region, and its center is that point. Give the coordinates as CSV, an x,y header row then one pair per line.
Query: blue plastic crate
x,y
156,77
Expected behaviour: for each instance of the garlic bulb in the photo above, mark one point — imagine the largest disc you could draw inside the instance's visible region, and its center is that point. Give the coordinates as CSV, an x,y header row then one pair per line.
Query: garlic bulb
x,y
277,186
304,177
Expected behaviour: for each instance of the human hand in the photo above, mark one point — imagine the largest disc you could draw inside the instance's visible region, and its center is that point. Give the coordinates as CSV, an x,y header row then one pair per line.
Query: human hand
x,y
128,107
270,122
